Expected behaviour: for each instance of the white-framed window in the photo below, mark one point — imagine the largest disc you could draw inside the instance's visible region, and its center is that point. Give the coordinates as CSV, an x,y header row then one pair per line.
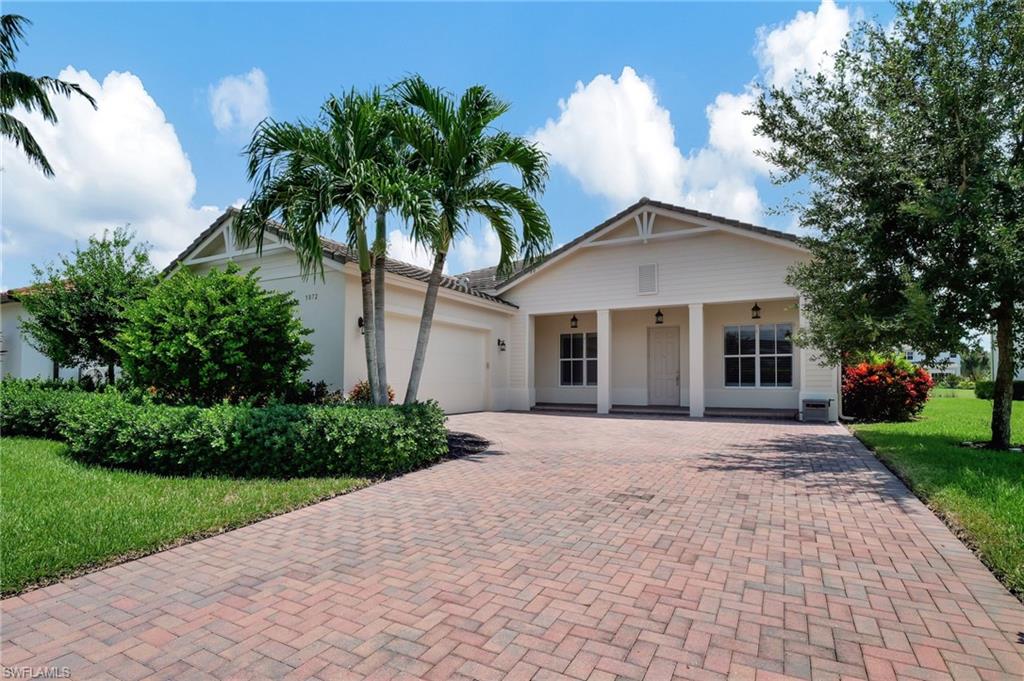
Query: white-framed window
x,y
759,356
577,359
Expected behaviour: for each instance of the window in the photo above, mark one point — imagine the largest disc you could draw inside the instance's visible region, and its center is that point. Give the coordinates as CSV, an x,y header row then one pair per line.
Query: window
x,y
759,355
577,359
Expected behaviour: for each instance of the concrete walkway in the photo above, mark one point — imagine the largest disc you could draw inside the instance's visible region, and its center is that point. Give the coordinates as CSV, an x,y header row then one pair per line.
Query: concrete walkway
x,y
574,548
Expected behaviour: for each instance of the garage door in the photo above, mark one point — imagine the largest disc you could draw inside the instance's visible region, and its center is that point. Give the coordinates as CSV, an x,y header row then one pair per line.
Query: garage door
x,y
455,373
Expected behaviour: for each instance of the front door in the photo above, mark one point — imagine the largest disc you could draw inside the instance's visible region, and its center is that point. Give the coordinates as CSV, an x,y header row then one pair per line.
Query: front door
x,y
663,365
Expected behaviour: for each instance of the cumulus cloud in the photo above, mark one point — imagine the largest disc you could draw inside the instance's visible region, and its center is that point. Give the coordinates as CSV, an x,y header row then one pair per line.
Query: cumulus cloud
x,y
808,42
402,247
119,164
614,136
238,103
475,251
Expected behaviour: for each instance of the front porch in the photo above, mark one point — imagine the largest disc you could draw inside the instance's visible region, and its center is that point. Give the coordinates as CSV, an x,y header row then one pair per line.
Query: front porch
x,y
724,359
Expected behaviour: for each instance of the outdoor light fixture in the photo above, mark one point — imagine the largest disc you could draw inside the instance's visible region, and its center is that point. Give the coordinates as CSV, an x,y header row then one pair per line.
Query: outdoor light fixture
x,y
573,323
501,345
362,327
659,318
755,312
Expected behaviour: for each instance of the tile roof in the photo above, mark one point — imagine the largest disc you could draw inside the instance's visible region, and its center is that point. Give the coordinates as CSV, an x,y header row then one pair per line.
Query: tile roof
x,y
341,253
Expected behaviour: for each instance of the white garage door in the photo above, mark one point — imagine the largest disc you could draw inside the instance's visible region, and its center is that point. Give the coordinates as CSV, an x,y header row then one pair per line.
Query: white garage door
x,y
455,373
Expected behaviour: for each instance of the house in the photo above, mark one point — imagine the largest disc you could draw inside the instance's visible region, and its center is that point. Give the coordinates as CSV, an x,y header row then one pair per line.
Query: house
x,y
944,364
657,308
17,357
994,362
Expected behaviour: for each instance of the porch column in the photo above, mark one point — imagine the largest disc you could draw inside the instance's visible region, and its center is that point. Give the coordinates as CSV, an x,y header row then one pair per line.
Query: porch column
x,y
697,360
530,347
604,361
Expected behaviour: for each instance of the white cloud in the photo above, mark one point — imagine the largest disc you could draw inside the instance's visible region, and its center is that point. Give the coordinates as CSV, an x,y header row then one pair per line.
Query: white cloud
x,y
238,103
808,42
119,164
475,251
615,137
402,247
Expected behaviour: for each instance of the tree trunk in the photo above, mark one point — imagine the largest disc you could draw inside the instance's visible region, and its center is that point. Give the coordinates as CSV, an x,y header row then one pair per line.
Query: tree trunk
x,y
1002,403
380,255
110,374
369,328
426,320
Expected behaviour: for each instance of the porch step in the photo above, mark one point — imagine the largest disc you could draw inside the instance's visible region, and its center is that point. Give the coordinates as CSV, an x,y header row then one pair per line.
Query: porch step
x,y
559,407
650,410
738,413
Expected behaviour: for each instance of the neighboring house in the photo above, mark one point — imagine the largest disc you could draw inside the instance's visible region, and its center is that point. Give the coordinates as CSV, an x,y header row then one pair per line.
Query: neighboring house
x,y
657,307
944,364
994,363
17,357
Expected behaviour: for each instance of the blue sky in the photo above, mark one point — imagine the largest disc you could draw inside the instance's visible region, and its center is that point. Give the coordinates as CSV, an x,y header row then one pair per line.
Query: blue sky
x,y
635,82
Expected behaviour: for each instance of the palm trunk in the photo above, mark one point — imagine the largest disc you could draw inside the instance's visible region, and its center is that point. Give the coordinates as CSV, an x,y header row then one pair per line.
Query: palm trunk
x,y
380,255
1002,403
369,328
426,320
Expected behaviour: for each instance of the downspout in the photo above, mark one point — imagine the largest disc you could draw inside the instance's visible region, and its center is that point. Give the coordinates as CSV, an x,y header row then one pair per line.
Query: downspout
x,y
839,396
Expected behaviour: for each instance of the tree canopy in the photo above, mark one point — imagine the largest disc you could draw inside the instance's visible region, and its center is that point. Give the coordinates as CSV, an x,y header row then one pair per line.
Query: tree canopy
x,y
76,308
913,151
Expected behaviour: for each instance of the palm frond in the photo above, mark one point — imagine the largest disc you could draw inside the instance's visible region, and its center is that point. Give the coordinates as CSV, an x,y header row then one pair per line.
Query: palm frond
x,y
11,31
19,135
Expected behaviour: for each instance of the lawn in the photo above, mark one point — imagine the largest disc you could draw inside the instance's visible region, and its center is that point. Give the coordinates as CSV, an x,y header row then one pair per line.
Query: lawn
x,y
58,517
952,392
978,492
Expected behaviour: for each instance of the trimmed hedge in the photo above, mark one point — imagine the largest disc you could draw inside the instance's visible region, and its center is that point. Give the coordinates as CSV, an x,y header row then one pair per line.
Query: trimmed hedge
x,y
33,407
986,390
278,441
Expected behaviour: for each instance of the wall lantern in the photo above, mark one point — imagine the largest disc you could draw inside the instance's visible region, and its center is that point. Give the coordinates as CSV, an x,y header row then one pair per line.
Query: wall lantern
x,y
362,326
573,323
755,312
501,345
659,318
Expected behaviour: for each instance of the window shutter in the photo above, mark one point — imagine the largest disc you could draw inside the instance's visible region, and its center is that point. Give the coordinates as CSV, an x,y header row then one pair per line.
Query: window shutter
x,y
647,279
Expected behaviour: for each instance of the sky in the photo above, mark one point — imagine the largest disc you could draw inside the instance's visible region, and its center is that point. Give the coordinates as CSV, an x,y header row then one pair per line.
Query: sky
x,y
628,100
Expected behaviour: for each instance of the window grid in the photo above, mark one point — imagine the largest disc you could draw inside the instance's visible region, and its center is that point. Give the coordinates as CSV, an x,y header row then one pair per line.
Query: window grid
x,y
758,356
577,359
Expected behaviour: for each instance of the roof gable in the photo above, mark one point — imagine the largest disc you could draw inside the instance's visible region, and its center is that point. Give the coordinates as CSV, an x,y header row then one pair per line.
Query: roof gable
x,y
639,224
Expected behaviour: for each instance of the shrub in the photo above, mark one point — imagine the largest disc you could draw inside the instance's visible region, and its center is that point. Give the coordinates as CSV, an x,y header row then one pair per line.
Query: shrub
x,y
986,390
884,391
207,339
360,393
33,407
113,429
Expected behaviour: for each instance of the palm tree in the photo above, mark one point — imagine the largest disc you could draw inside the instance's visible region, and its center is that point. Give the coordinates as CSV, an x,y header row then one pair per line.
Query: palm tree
x,y
311,176
30,92
455,144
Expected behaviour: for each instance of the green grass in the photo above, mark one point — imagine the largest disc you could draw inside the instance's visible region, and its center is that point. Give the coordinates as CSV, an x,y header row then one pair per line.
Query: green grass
x,y
58,517
952,392
979,492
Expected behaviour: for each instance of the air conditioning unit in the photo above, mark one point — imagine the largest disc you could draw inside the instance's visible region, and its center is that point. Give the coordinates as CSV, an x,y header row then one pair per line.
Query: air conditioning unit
x,y
816,410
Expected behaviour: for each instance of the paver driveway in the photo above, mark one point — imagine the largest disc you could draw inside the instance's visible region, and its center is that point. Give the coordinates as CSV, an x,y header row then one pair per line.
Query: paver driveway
x,y
582,548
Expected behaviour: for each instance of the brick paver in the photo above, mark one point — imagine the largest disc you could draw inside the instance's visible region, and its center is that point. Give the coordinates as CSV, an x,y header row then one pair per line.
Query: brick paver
x,y
576,548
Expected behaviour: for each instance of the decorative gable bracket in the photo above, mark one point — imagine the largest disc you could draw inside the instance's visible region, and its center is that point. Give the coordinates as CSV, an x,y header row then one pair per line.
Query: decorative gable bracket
x,y
644,224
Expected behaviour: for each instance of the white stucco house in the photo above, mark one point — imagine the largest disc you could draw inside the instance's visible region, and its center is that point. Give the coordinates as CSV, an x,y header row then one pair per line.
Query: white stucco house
x,y
657,308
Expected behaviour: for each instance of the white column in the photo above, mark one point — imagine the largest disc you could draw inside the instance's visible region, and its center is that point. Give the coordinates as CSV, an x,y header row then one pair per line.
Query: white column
x,y
604,361
530,347
697,360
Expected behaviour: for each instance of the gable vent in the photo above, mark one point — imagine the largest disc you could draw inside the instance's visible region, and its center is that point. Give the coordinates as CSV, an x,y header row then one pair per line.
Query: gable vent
x,y
647,279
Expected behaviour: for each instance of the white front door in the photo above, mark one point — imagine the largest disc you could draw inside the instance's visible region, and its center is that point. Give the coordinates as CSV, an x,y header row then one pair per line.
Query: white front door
x,y
663,365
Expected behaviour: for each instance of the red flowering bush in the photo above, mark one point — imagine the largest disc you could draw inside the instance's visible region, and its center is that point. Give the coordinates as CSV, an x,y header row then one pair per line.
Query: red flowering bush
x,y
884,391
361,394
